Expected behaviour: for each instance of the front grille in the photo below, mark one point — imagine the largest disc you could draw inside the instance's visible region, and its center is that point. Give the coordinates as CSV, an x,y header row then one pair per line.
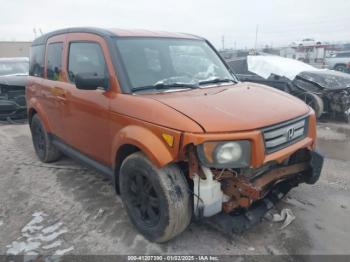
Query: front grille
x,y
282,135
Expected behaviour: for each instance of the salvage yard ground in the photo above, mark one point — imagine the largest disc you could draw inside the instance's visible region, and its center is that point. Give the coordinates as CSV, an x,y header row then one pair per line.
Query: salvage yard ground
x,y
64,208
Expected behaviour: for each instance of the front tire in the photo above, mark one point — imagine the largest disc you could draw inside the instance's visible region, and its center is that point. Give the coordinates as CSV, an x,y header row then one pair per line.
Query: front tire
x,y
157,200
43,146
315,102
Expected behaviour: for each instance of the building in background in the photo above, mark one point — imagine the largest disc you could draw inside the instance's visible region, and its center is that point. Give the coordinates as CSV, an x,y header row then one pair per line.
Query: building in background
x,y
14,49
308,50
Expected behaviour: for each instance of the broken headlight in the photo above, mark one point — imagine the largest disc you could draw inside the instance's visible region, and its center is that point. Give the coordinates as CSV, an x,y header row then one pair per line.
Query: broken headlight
x,y
227,154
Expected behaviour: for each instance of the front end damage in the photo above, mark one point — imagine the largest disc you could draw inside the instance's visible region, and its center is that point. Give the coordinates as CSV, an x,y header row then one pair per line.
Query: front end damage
x,y
338,102
12,101
331,86
234,199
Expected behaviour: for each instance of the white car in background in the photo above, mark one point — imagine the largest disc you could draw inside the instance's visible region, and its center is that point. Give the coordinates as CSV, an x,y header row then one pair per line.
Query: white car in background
x,y
339,61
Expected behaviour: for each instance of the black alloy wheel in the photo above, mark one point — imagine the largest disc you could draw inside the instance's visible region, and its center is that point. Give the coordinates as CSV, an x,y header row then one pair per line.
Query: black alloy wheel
x,y
144,198
157,200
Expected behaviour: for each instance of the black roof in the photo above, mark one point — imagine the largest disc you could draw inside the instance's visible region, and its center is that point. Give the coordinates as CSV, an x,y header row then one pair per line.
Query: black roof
x,y
113,32
93,30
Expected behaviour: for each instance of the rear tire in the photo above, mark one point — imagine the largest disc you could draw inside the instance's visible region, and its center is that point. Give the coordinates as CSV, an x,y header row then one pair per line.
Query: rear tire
x,y
43,146
157,200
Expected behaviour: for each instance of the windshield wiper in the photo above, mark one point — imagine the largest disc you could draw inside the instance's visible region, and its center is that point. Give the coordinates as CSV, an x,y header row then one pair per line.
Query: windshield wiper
x,y
163,86
216,80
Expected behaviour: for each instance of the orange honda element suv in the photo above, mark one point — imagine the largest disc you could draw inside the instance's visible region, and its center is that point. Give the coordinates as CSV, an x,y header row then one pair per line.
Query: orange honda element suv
x,y
163,116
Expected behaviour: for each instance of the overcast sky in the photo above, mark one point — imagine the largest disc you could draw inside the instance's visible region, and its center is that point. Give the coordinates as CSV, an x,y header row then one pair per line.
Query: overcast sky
x,y
280,21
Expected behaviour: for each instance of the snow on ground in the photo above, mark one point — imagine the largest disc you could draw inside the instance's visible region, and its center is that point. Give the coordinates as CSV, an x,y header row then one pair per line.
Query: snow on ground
x,y
36,234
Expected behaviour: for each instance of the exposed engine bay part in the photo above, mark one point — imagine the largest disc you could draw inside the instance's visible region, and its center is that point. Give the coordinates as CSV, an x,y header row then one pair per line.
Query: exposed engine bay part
x,y
231,190
339,102
243,219
243,192
208,194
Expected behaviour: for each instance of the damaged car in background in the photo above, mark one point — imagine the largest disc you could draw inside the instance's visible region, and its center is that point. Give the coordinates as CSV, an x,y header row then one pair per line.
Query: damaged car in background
x,y
326,91
13,75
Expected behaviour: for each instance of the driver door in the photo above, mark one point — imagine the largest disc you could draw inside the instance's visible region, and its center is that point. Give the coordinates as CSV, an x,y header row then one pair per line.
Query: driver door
x,y
86,115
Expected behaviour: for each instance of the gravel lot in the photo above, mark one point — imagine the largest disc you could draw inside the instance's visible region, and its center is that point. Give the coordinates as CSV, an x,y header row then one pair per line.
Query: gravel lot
x,y
64,208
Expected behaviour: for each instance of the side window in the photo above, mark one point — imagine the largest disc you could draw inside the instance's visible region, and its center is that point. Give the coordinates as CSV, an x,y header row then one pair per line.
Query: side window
x,y
36,66
54,61
86,58
343,54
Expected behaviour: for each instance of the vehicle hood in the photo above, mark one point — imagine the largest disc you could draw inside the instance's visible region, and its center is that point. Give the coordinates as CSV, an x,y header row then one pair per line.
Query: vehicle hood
x,y
327,79
13,80
266,65
243,106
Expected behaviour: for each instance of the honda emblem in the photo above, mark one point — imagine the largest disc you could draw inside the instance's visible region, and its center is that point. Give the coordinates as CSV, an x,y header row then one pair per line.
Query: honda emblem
x,y
290,133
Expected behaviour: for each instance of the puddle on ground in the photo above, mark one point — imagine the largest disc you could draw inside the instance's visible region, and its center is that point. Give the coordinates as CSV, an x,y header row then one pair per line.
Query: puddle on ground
x,y
334,142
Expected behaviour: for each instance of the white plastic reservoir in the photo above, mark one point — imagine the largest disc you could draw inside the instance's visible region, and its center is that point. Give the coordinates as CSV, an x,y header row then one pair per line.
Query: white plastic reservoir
x,y
207,194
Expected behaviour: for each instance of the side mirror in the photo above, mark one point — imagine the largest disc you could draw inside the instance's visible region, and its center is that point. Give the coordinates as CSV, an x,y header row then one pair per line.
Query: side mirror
x,y
89,81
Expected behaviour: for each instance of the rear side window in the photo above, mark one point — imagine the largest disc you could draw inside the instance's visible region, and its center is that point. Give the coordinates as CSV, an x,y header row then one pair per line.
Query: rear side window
x,y
86,57
54,61
36,66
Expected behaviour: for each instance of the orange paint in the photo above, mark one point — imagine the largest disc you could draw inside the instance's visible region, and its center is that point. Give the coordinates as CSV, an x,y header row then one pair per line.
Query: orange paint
x,y
98,122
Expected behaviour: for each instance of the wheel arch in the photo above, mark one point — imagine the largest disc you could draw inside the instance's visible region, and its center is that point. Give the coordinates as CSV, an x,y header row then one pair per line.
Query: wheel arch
x,y
35,108
31,113
132,139
339,64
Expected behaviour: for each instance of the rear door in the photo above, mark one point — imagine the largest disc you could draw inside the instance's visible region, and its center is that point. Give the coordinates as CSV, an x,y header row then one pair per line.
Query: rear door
x,y
86,114
52,92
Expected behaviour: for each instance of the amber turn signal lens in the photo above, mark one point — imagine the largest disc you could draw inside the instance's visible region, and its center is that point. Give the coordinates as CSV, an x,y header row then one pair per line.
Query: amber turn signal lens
x,y
169,139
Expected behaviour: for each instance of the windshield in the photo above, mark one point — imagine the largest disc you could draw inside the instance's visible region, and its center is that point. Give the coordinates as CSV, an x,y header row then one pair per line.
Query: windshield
x,y
13,68
151,62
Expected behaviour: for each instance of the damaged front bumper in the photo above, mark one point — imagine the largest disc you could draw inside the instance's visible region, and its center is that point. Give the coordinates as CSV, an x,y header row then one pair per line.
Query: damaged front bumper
x,y
246,201
12,109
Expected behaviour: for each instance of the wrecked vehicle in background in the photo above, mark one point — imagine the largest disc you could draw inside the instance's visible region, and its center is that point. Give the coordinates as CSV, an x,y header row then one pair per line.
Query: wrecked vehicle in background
x,y
326,91
13,75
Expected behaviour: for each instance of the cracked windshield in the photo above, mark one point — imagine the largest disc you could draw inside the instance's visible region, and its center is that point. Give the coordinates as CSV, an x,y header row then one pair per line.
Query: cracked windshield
x,y
171,63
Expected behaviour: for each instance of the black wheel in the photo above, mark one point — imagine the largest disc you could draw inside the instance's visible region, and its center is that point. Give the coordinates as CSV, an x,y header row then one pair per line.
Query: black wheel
x,y
44,149
157,200
315,102
341,68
